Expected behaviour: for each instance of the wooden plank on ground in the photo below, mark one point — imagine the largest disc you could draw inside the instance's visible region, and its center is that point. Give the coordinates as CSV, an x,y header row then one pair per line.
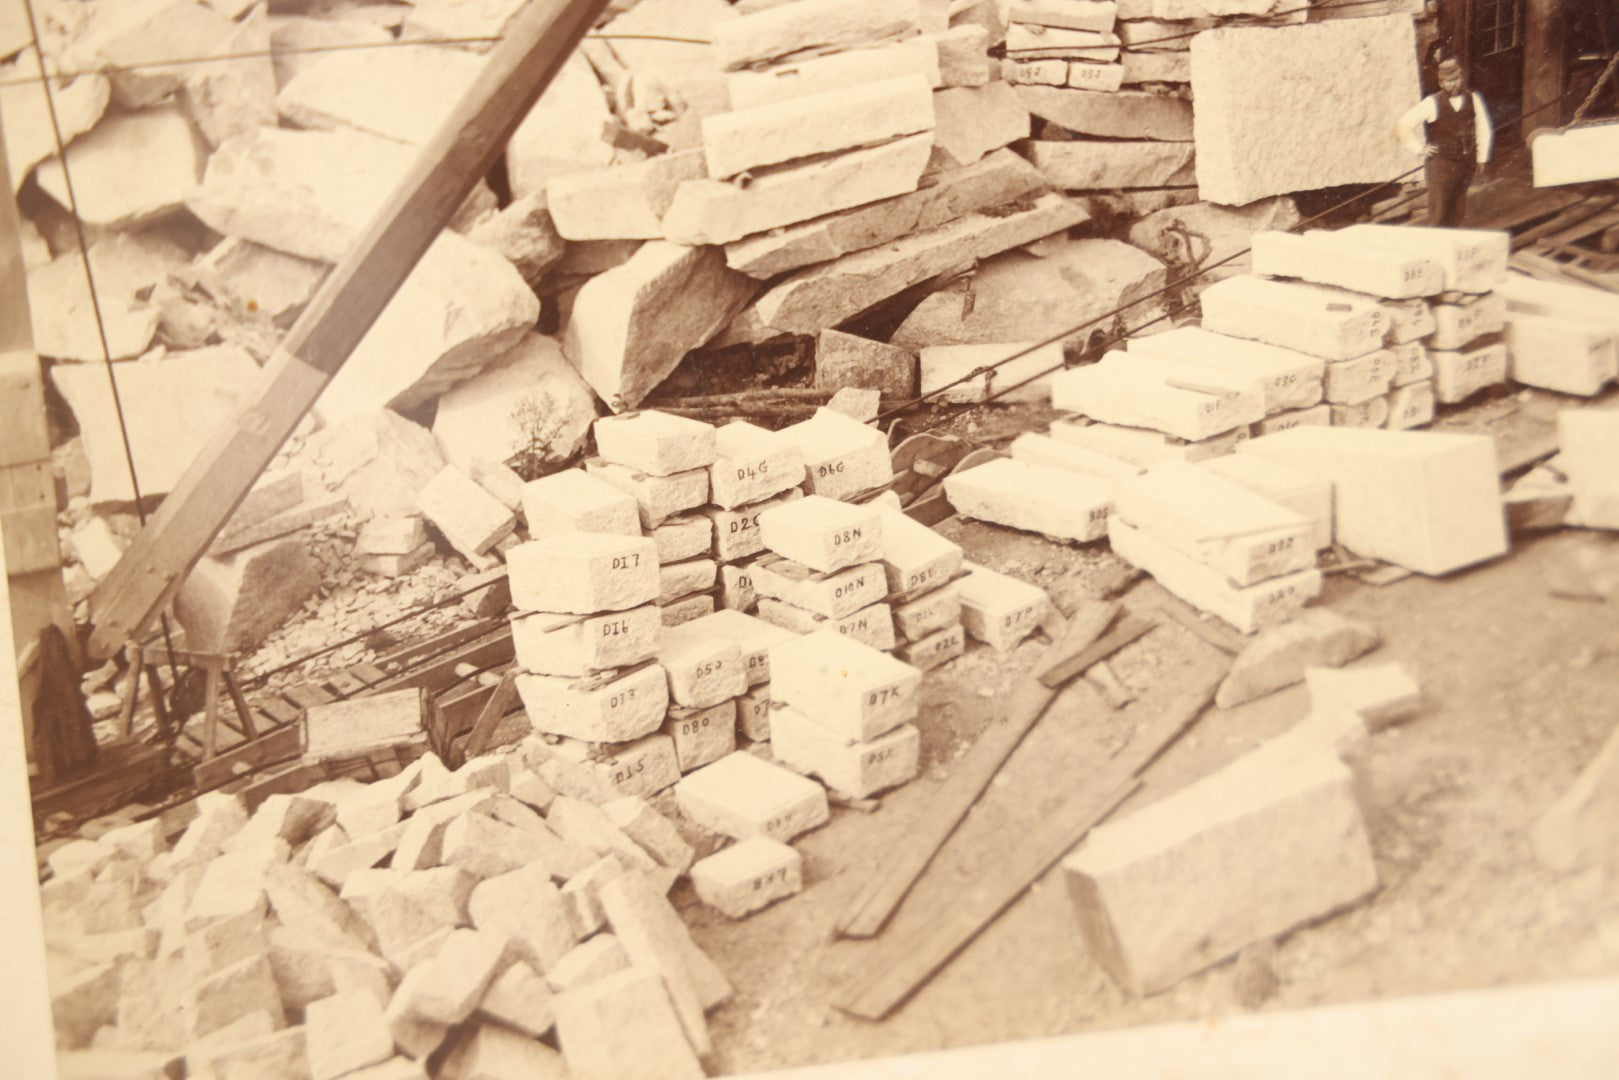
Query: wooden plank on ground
x,y
488,651
280,744
280,711
345,684
899,965
308,695
872,907
500,701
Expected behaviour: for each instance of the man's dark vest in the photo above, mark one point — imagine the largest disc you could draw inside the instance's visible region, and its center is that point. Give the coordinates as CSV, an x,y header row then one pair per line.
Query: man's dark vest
x,y
1452,131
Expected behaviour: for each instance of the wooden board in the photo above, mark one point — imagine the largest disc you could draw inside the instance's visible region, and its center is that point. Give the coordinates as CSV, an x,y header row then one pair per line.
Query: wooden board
x,y
280,744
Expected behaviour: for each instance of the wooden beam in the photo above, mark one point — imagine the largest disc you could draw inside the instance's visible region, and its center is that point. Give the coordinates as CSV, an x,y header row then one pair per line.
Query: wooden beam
x,y
1545,68
539,41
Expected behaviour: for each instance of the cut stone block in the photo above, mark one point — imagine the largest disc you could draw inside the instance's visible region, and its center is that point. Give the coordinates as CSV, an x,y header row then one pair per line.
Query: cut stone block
x,y
232,603
524,233
1294,108
736,588
1411,363
681,579
717,212
742,796
1291,379
935,649
999,178
1141,447
638,820
1380,694
753,637
345,1032
1424,500
1330,258
850,688
1155,67
363,723
687,608
231,993
1134,396
625,202
1473,260
1589,439
971,122
1571,356
1408,319
1094,77
682,538
702,670
1320,415
564,129
624,1026
753,714
1300,491
529,403
528,908
1247,388
1124,114
486,848
657,497
583,573
1248,608
519,999
1000,610
833,595
1039,72
842,457
1550,298
827,295
402,94
1279,657
855,770
1410,406
643,767
390,536
751,464
1350,382
775,34
1098,15
548,644
915,558
1102,166
117,182
702,736
1142,885
929,614
1217,522
1294,317
749,876
751,89
1034,498
822,533
844,360
870,626
655,443
471,519
631,325
736,532
1460,375
1458,325
572,500
947,371
597,710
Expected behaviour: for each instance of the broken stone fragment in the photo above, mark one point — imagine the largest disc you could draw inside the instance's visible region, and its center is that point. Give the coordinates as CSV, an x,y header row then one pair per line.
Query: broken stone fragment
x,y
298,43
1380,694
379,462
402,93
345,1032
232,603
530,404
1279,657
132,169
145,45
225,98
1203,233
127,267
610,1027
562,132
30,138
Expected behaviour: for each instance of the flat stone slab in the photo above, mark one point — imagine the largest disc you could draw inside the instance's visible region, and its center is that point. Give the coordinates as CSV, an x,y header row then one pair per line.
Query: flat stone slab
x,y
1033,498
1137,396
998,609
1104,166
777,33
1294,316
1290,379
742,796
403,94
1120,114
834,71
855,770
748,876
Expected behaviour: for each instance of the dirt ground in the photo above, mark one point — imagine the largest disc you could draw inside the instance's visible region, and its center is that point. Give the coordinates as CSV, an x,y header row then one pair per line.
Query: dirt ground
x,y
1519,689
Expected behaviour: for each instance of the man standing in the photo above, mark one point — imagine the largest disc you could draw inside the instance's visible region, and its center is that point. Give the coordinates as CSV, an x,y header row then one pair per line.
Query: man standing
x,y
1457,138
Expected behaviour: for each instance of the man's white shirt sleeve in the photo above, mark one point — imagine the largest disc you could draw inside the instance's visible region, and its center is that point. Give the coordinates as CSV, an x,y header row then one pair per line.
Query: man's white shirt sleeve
x,y
1409,126
1483,131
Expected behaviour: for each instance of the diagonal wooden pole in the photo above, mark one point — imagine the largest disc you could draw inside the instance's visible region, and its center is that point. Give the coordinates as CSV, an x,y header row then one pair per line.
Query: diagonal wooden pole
x,y
518,70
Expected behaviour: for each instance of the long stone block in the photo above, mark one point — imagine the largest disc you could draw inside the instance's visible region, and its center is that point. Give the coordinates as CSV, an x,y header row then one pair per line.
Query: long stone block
x,y
1037,449
1217,522
549,644
855,770
583,573
658,498
1473,260
1155,67
1155,892
871,626
1248,390
1350,382
833,595
823,123
742,796
618,710
751,464
625,202
776,33
1104,166
1428,501
1141,447
1293,317
932,612
1123,114
1034,498
850,688
1039,72
1120,393
1457,376
972,121
715,212
1409,319
821,533
751,89
748,876
736,532
1571,356
1330,258
947,371
935,649
1291,379
1301,491
1000,610
1410,406
1248,608
1084,75
827,295
1559,299
842,456
1457,325
915,558
1295,108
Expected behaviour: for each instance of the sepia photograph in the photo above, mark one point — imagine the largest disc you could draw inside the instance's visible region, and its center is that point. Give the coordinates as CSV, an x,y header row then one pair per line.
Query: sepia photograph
x,y
820,539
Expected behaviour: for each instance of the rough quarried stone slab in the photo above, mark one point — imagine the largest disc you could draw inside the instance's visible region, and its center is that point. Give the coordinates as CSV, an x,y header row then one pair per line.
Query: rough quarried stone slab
x,y
1217,522
843,360
234,602
833,595
583,573
1590,442
1102,166
1329,258
822,533
1000,610
1037,449
1245,389
625,202
850,688
1473,260
1457,376
59,304
1095,15
1024,42
1278,657
742,796
751,89
855,770
870,626
842,456
1141,447
947,371
631,325
1248,608
1301,491
1034,498
1569,355
1133,396
1155,67
622,1024
964,58
548,644
715,212
657,497
915,558
1283,109
1410,406
1350,382
564,129
970,122
736,587
1146,890
827,295
471,519
530,401
1553,298
842,119
403,93
749,876
1123,114
528,908
1294,317
1457,325
1290,379
778,33
117,184
1428,501
572,500
618,710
